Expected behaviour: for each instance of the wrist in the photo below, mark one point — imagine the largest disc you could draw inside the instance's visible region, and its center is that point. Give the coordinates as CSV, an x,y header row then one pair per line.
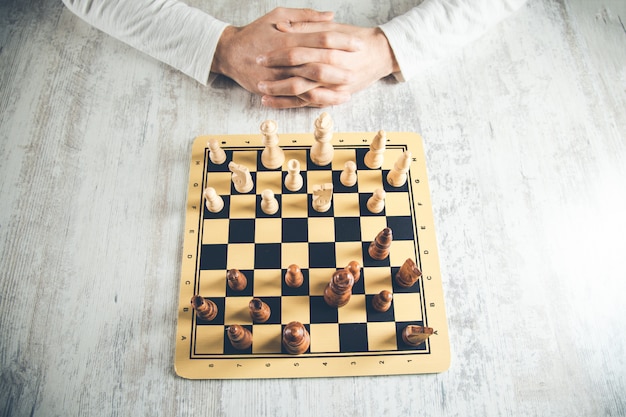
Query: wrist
x,y
223,50
388,58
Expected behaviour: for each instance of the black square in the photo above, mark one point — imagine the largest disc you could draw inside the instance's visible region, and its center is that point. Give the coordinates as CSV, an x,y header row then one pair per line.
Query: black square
x,y
259,164
314,213
223,167
338,187
401,227
363,210
274,303
320,311
353,337
213,257
219,318
222,214
390,188
267,256
241,231
246,292
228,347
347,229
397,288
301,290
373,315
322,255
360,157
311,166
368,260
295,230
403,346
359,286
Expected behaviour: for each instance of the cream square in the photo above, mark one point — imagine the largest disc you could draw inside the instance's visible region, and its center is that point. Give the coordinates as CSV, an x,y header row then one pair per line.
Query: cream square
x,y
341,157
294,205
236,311
372,226
295,253
397,204
297,154
321,229
212,283
243,206
345,252
377,279
354,311
407,306
391,156
215,231
269,180
221,181
324,337
267,282
400,251
209,340
318,279
346,205
267,230
369,180
295,308
246,158
318,178
240,256
381,336
267,338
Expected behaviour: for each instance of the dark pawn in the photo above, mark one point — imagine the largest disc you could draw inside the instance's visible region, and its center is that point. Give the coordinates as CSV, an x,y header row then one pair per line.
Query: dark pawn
x,y
338,291
416,335
408,274
259,311
205,309
379,248
296,339
237,281
355,269
382,301
240,337
293,276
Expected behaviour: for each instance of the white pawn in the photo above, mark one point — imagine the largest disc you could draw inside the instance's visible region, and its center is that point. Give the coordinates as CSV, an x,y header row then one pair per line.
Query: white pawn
x,y
216,153
322,197
293,179
322,151
269,204
398,174
376,203
241,177
214,203
272,156
375,156
348,175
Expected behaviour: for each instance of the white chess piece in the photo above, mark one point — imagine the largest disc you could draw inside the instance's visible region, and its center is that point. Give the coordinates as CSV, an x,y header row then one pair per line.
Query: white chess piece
x,y
376,203
269,203
293,179
322,197
398,174
214,203
216,153
322,151
272,156
348,175
376,155
241,177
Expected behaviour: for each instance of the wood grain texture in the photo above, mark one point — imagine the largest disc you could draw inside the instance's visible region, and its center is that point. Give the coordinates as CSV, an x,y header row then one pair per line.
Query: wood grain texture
x,y
524,133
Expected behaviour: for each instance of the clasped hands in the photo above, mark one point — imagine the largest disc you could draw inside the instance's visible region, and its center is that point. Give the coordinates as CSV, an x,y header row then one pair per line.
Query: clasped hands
x,y
301,58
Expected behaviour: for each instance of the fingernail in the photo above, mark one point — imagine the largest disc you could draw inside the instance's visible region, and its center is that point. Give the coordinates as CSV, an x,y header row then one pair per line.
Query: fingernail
x,y
262,87
261,59
265,100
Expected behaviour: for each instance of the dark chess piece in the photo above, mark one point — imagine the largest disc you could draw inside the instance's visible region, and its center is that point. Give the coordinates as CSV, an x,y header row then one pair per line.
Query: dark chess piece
x,y
355,269
205,309
379,248
415,335
240,337
237,281
293,276
259,311
408,274
296,339
382,301
338,291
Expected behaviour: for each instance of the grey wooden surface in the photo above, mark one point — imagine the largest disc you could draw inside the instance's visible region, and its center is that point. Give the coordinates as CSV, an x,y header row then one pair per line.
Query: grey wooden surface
x,y
526,148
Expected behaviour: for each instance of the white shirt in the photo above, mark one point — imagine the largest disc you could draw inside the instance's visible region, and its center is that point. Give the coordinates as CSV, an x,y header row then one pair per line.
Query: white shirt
x,y
186,37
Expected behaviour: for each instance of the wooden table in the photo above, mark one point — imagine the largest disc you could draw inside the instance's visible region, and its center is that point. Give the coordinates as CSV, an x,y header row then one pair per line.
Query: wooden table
x,y
526,149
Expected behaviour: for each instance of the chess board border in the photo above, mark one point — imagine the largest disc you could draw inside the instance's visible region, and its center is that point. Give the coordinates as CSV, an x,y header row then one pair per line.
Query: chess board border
x,y
435,357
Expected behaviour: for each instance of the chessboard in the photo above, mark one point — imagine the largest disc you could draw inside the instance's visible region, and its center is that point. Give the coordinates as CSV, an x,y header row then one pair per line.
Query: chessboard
x,y
231,233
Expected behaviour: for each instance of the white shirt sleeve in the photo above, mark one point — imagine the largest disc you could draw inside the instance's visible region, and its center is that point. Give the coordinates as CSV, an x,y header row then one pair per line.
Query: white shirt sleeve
x,y
168,30
428,32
